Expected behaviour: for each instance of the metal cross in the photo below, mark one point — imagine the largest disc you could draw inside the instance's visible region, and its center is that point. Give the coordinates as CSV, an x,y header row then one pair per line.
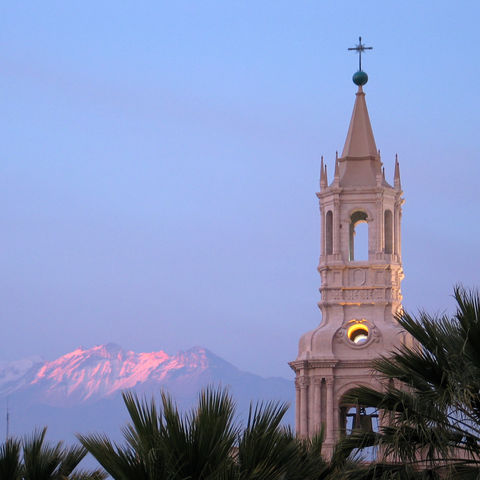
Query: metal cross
x,y
359,49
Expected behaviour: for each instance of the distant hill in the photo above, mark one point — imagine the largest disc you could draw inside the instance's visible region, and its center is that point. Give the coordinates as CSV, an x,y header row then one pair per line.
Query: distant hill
x,y
80,391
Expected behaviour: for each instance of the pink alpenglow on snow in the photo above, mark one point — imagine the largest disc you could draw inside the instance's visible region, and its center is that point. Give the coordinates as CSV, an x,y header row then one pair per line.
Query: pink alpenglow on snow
x,y
107,369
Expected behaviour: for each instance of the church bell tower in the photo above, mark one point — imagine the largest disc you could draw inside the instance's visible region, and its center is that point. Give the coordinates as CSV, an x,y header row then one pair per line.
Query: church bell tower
x,y
360,282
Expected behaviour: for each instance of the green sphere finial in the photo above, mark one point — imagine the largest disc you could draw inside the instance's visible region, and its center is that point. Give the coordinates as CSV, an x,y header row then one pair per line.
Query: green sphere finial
x,y
360,78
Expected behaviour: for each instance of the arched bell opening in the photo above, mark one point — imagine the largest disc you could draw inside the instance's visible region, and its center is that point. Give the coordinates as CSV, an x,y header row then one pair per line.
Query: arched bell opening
x,y
358,237
329,233
355,418
388,229
358,418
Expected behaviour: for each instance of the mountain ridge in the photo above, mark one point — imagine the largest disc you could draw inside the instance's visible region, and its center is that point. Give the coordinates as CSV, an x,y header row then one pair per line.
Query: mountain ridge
x,y
80,391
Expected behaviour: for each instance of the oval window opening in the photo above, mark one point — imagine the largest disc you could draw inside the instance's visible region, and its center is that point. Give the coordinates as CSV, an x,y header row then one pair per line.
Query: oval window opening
x,y
358,334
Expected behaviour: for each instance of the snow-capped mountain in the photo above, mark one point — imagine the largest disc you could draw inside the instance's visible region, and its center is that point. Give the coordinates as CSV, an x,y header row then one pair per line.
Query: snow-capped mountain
x,y
14,374
80,391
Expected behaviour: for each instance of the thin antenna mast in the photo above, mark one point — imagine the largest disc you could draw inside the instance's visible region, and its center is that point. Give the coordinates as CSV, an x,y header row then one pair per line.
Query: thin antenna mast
x,y
8,422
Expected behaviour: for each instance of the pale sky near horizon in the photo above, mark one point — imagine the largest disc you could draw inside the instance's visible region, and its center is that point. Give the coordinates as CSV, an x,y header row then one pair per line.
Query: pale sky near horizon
x,y
159,162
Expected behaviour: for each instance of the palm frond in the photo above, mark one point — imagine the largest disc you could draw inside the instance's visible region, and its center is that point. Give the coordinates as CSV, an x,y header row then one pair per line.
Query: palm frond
x,y
198,444
10,463
121,462
40,459
266,450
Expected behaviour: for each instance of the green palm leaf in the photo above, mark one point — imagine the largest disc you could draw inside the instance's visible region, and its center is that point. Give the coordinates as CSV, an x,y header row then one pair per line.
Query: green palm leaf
x,y
265,449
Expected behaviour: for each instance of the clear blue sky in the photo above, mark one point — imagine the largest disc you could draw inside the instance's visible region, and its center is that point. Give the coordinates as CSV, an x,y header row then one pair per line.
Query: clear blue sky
x,y
159,162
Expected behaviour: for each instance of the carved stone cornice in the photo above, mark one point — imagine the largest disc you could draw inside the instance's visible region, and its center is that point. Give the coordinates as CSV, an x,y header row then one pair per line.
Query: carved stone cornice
x,y
366,266
326,364
298,365
328,192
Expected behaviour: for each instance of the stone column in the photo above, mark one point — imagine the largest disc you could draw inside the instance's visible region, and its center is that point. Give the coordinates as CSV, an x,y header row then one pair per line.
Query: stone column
x,y
399,233
304,406
330,435
379,226
395,231
322,231
317,403
336,226
298,406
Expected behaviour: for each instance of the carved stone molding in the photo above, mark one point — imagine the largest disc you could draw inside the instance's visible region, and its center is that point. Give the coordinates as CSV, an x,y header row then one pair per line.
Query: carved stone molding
x,y
351,294
361,364
313,363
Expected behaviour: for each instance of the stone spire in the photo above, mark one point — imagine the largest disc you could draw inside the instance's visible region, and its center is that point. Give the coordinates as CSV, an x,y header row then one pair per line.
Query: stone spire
x,y
360,164
360,141
396,179
323,175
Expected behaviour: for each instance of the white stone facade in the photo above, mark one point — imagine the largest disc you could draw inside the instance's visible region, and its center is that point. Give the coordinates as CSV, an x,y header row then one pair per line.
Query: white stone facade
x,y
359,299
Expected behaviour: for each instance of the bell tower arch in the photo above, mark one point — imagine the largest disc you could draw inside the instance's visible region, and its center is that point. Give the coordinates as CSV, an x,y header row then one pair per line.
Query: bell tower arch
x,y
360,283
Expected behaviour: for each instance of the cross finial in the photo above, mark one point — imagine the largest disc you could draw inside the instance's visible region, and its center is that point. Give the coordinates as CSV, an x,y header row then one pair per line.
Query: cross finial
x,y
359,49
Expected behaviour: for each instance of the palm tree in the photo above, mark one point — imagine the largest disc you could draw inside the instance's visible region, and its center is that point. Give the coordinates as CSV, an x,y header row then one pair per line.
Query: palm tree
x,y
163,444
207,444
10,463
35,459
431,398
265,449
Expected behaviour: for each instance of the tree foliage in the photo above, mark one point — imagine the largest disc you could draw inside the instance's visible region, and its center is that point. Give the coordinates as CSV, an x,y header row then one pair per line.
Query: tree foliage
x,y
207,443
431,398
33,458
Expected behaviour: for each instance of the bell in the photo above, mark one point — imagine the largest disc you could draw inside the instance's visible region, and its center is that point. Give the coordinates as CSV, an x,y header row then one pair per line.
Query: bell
x,y
362,421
